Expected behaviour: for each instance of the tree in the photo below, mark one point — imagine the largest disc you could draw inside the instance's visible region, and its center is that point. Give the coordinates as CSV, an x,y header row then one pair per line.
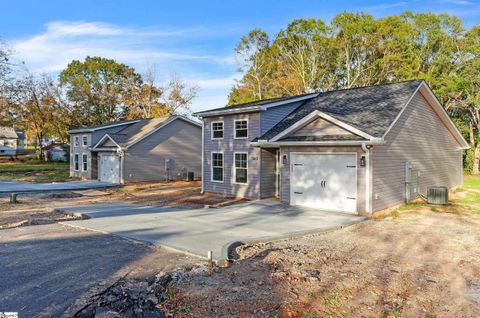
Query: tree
x,y
253,51
97,88
179,95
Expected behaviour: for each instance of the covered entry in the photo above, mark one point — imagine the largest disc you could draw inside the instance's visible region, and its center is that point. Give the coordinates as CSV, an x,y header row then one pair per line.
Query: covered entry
x,y
109,168
324,181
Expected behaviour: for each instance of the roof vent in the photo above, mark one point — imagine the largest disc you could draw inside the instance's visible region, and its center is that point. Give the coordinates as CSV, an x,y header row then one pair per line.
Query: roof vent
x,y
437,195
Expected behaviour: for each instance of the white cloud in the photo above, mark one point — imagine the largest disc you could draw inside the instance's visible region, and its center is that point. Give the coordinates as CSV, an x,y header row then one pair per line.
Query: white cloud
x,y
63,41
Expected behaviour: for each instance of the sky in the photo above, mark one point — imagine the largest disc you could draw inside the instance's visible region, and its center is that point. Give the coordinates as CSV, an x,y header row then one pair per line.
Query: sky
x,y
192,39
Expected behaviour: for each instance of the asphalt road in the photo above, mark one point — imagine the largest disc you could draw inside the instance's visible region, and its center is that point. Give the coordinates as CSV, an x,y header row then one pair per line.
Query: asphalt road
x,y
46,270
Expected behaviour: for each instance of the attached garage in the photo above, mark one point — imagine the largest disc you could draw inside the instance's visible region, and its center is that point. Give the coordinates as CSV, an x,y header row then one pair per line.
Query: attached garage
x,y
109,168
324,181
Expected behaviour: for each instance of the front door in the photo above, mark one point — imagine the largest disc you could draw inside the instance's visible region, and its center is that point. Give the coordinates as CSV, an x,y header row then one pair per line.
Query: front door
x,y
324,181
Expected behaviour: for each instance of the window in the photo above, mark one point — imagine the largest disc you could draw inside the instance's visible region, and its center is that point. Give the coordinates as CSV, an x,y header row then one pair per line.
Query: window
x,y
84,162
217,166
217,130
76,141
241,167
76,165
84,141
241,128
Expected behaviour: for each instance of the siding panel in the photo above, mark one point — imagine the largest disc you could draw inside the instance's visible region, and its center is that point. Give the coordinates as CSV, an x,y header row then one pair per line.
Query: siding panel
x,y
179,141
421,138
268,173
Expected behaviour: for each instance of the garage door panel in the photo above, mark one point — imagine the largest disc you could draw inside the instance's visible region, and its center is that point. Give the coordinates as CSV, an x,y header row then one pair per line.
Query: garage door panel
x,y
110,168
325,181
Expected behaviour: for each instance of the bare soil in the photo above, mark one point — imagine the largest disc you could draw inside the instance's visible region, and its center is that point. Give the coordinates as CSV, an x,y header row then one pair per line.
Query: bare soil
x,y
162,194
422,264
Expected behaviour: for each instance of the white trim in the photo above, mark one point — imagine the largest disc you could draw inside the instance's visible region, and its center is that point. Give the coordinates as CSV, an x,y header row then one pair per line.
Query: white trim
x,y
326,153
83,144
121,156
235,128
102,140
368,184
234,173
266,144
311,117
84,130
247,109
211,166
74,168
211,129
165,123
83,162
438,108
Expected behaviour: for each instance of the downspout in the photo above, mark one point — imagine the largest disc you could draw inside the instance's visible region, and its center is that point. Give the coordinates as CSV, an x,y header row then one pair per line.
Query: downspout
x,y
122,161
203,154
368,194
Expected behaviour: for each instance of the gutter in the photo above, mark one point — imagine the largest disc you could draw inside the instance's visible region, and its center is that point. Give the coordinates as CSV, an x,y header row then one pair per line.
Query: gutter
x,y
275,144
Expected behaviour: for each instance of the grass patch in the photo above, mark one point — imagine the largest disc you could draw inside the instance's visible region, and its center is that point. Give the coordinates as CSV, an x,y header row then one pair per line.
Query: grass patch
x,y
34,171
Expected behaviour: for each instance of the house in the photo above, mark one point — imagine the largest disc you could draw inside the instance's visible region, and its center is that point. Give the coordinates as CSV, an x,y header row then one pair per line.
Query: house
x,y
56,152
12,142
355,150
156,149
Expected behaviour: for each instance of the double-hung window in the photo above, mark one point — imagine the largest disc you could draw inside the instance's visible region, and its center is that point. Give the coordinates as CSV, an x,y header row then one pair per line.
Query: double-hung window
x,y
84,162
217,166
76,141
84,141
76,163
217,130
241,128
241,167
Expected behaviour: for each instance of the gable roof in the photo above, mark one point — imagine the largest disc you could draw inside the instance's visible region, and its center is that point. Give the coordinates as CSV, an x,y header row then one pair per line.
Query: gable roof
x,y
143,128
102,126
8,132
370,109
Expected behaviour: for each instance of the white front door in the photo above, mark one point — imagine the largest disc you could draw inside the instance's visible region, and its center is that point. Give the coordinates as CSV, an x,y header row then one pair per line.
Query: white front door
x,y
324,181
110,168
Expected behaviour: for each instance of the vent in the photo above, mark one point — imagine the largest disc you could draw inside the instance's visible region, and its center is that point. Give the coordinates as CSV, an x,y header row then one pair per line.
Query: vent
x,y
437,195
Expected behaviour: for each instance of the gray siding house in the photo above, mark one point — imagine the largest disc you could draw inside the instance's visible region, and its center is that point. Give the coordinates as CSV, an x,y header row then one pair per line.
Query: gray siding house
x,y
12,142
157,149
356,150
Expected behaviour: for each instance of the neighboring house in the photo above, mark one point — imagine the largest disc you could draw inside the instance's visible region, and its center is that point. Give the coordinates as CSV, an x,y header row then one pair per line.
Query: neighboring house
x,y
156,149
56,152
355,150
12,142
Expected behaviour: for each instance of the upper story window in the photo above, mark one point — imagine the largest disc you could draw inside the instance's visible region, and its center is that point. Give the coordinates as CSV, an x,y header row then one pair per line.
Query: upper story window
x,y
241,128
217,130
76,141
84,140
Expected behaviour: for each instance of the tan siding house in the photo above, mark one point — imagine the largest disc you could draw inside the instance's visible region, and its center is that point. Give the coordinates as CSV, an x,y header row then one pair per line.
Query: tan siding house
x,y
157,149
358,150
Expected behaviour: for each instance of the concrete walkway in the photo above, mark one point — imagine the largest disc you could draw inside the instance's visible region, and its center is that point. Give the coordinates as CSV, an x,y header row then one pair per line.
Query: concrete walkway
x,y
197,231
7,187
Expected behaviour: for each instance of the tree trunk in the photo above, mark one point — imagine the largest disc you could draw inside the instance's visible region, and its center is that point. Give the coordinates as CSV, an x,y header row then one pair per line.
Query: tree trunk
x,y
476,160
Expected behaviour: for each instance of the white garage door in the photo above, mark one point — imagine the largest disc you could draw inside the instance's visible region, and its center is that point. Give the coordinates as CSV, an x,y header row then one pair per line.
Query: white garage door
x,y
324,181
110,168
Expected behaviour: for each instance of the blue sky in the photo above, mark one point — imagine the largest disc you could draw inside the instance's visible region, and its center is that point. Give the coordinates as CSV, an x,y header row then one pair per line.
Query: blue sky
x,y
194,39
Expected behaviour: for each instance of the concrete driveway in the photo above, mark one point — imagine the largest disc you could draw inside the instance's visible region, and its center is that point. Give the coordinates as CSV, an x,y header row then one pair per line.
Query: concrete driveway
x,y
198,231
7,187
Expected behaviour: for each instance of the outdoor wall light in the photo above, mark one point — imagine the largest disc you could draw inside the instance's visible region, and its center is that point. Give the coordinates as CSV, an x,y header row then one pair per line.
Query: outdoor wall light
x,y
285,159
363,161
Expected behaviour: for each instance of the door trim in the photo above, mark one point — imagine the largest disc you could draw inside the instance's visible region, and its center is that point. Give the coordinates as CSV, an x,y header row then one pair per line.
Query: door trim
x,y
327,154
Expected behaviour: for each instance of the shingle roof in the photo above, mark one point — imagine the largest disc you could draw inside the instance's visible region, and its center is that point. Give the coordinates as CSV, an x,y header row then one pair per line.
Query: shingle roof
x,y
254,103
97,127
8,132
371,109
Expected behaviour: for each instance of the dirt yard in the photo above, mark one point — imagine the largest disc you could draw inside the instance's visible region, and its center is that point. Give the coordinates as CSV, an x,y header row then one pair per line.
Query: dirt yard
x,y
33,208
414,261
